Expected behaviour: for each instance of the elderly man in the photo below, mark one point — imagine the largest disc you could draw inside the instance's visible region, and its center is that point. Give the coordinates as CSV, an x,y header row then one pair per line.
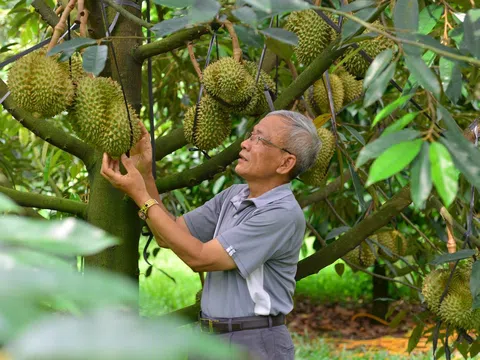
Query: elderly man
x,y
247,238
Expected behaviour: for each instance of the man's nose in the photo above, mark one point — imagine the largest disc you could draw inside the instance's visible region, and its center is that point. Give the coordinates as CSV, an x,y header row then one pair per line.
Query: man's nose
x,y
245,144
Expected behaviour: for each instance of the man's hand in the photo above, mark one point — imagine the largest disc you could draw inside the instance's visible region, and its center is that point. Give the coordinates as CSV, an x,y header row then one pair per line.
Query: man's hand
x,y
141,153
131,183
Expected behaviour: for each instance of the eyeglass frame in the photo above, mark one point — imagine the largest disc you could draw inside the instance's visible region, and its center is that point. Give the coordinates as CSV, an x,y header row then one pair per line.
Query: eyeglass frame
x,y
249,134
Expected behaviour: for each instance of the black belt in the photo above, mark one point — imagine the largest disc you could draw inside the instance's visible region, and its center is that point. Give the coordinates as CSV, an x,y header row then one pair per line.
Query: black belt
x,y
221,326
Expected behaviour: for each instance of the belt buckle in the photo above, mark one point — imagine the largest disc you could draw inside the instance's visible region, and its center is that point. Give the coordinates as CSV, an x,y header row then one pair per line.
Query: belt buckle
x,y
210,324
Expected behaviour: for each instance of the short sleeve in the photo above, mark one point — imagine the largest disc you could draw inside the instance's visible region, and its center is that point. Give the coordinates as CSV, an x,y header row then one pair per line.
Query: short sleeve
x,y
267,234
202,221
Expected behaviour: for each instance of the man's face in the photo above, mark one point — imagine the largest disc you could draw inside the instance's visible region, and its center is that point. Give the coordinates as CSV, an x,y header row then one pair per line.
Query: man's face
x,y
258,159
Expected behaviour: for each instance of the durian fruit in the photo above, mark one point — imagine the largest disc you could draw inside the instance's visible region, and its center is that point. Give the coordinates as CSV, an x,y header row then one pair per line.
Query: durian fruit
x,y
75,72
352,87
313,33
432,288
357,65
99,116
40,85
317,96
362,256
258,103
316,174
395,242
213,124
229,82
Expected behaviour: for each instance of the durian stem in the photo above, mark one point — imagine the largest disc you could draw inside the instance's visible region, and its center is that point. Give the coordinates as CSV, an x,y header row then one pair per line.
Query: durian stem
x,y
195,63
80,10
83,24
451,244
237,51
292,69
60,27
59,10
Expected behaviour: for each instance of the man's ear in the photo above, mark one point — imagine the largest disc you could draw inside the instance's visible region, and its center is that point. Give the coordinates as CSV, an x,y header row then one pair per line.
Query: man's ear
x,y
287,164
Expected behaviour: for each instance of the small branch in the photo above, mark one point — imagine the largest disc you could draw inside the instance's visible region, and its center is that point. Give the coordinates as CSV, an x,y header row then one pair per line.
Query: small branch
x,y
46,202
194,61
84,22
80,10
292,69
60,27
46,131
316,234
46,12
128,14
167,144
170,43
237,51
353,237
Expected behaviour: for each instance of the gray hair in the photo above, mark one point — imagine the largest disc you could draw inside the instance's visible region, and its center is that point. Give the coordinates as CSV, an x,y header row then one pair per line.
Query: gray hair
x,y
301,139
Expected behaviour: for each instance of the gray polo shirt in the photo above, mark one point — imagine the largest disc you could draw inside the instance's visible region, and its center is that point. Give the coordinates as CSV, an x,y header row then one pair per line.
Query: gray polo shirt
x,y
263,236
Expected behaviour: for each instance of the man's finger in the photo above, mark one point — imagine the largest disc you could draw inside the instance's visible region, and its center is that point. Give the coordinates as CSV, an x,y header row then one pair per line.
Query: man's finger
x,y
127,162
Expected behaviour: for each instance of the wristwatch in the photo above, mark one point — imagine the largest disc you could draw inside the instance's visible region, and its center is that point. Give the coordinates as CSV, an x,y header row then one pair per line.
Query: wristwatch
x,y
142,213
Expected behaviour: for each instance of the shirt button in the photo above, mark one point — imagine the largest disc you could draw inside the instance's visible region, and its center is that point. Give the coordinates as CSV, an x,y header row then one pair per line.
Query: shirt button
x,y
235,216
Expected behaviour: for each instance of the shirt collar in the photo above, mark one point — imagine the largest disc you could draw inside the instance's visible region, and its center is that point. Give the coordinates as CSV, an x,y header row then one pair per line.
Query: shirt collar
x,y
272,195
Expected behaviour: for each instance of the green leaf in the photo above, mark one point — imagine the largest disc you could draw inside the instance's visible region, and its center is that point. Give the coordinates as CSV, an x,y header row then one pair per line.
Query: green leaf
x,y
71,46
379,85
170,26
249,37
400,123
262,5
355,134
378,64
8,205
175,3
423,74
62,237
393,160
359,190
46,169
352,28
444,174
459,255
428,58
246,15
336,232
471,27
475,284
415,337
94,59
451,78
31,258
390,108
340,269
421,179
282,35
203,11
107,334
284,51
429,17
405,19
358,5
378,146
397,319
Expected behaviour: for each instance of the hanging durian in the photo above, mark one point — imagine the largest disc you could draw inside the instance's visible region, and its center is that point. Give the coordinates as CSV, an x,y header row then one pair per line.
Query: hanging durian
x,y
317,173
353,88
356,64
258,104
313,33
228,81
317,96
362,256
212,126
395,242
40,85
100,118
76,71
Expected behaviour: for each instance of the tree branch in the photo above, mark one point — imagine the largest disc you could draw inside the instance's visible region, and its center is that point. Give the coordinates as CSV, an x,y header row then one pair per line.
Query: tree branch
x,y
46,131
45,202
46,12
353,237
167,144
128,14
170,43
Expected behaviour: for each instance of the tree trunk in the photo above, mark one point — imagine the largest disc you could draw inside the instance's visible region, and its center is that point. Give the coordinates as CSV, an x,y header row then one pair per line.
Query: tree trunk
x,y
380,290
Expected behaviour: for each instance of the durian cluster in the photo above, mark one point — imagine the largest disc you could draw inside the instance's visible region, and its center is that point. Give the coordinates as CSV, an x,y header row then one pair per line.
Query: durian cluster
x,y
230,87
45,87
362,256
345,89
315,176
456,308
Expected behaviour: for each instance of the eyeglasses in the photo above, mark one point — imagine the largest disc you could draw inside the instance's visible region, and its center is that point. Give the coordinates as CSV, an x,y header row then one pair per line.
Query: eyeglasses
x,y
257,138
